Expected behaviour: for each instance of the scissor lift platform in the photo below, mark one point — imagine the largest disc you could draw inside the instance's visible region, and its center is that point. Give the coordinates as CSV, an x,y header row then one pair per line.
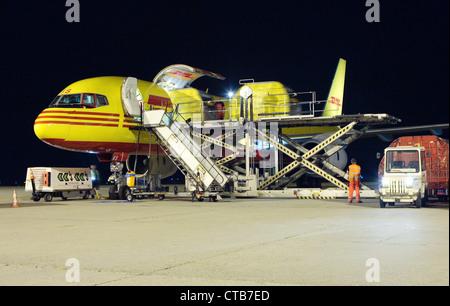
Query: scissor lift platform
x,y
187,154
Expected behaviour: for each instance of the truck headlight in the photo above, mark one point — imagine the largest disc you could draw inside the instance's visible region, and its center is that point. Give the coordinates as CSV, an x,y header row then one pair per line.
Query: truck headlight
x,y
409,181
385,182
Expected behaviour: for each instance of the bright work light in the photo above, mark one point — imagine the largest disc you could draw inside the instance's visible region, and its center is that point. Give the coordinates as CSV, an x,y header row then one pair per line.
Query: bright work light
x,y
409,182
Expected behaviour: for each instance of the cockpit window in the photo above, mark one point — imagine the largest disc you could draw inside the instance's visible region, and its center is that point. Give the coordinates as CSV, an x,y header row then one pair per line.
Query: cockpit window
x,y
66,101
101,100
89,99
55,101
79,100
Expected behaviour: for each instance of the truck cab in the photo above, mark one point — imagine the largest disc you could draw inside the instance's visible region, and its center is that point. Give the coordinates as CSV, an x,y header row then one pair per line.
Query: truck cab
x,y
404,178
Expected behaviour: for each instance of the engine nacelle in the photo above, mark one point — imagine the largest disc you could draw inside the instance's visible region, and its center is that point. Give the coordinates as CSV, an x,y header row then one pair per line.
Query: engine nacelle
x,y
339,159
156,164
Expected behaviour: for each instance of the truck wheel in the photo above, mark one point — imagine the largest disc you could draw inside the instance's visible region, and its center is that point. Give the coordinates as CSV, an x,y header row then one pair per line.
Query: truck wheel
x,y
161,197
425,199
382,204
48,197
36,198
86,195
418,202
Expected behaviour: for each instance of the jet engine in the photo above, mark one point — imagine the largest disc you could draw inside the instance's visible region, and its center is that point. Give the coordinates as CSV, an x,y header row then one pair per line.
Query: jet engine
x,y
155,164
339,159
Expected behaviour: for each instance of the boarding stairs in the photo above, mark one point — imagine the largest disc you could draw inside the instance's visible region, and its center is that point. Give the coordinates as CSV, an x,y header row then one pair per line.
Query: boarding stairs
x,y
175,137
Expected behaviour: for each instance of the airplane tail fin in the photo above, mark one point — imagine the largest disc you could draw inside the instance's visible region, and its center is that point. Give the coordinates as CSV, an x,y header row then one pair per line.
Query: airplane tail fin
x,y
335,100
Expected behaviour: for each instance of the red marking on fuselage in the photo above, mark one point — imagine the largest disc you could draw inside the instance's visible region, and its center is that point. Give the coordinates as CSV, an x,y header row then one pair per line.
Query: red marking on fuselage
x,y
102,147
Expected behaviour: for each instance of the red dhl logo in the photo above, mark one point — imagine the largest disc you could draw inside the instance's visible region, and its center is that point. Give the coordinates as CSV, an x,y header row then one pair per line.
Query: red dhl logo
x,y
159,101
182,74
335,101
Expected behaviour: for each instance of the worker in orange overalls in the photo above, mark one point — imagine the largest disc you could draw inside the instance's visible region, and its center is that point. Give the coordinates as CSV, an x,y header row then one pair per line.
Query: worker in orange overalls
x,y
354,179
219,111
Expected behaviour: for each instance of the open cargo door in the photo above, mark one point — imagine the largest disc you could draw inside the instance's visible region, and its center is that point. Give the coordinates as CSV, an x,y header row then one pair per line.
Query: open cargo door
x,y
130,102
181,76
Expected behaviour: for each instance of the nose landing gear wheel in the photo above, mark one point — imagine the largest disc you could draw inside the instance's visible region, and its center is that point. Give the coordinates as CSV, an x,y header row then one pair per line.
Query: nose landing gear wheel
x,y
113,195
124,191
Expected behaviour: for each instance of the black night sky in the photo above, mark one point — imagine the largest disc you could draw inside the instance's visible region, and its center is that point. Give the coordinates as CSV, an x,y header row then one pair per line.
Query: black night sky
x,y
398,66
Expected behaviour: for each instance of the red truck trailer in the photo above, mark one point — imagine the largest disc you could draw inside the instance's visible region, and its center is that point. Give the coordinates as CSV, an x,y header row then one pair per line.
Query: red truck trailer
x,y
414,169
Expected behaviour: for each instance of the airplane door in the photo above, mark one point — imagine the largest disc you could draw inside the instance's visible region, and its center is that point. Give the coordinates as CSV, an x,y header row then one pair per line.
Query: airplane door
x,y
130,102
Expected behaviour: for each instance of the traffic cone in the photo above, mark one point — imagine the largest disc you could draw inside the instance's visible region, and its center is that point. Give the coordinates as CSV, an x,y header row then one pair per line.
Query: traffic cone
x,y
15,203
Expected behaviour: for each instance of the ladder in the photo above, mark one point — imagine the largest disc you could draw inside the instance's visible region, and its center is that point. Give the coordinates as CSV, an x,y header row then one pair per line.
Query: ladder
x,y
175,138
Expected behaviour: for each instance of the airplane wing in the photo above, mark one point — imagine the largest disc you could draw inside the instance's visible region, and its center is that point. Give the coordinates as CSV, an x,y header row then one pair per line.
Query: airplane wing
x,y
385,133
181,76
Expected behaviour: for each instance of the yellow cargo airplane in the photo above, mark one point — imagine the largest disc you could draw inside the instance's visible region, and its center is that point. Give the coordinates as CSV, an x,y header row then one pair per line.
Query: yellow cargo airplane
x,y
92,115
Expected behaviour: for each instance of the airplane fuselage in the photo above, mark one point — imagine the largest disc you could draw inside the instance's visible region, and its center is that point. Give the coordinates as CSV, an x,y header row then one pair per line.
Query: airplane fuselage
x,y
102,129
91,115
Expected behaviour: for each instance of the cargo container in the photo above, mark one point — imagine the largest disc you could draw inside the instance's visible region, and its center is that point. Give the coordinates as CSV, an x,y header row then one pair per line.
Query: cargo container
x,y
49,182
414,169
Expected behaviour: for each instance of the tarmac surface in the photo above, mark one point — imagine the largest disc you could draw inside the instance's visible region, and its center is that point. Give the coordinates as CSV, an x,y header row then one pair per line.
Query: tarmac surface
x,y
234,242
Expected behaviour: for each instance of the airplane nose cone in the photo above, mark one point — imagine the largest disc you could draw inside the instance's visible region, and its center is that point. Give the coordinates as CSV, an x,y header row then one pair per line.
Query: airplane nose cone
x,y
51,129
